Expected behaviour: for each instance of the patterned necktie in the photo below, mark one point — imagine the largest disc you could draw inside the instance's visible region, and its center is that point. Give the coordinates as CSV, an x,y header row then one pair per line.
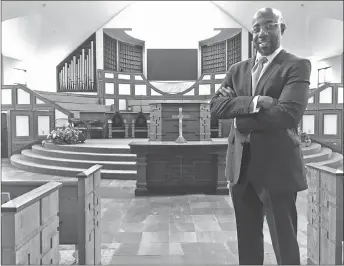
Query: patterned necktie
x,y
256,70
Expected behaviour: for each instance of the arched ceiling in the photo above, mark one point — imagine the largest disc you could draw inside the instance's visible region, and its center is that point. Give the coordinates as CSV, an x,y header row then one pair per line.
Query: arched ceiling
x,y
314,28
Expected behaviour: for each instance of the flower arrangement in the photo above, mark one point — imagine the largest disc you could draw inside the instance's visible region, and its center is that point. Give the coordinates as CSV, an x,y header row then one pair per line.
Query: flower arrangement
x,y
66,135
304,137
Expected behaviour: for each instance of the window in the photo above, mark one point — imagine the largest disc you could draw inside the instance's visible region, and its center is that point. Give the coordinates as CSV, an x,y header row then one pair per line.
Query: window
x,y
23,97
140,90
340,95
308,124
109,102
43,125
330,124
204,89
22,126
122,104
124,89
109,88
6,96
324,75
325,96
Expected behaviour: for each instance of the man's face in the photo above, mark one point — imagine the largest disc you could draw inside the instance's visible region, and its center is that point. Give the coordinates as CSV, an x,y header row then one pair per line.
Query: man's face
x,y
266,32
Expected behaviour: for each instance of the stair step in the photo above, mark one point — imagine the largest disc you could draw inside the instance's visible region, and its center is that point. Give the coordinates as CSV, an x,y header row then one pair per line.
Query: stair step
x,y
38,149
123,149
335,160
18,161
312,149
323,155
83,164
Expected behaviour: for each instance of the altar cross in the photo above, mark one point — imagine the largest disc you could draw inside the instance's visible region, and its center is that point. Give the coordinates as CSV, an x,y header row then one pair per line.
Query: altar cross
x,y
180,116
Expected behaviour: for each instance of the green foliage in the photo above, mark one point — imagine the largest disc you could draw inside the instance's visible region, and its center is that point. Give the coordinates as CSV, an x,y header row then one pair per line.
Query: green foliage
x,y
66,135
304,137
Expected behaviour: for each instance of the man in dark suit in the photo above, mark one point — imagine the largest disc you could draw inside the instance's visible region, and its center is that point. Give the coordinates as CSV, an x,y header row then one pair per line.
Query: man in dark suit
x,y
266,96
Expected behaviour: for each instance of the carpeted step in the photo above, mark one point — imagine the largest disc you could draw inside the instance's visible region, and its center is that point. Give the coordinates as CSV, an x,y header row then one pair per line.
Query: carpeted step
x,y
335,160
76,163
312,149
323,155
90,156
82,147
18,161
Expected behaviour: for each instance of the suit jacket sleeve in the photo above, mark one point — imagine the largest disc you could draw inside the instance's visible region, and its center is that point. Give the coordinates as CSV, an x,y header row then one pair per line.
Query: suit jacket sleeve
x,y
230,107
290,107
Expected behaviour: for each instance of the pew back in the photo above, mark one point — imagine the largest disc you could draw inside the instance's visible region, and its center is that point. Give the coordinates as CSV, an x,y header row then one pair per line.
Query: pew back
x,y
325,215
29,227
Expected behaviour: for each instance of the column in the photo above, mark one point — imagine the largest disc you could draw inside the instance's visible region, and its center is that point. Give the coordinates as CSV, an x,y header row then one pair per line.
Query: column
x,y
133,128
221,186
148,129
126,128
141,167
110,128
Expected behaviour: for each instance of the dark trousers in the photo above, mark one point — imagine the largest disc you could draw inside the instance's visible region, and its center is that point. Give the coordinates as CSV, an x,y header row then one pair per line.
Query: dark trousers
x,y
281,215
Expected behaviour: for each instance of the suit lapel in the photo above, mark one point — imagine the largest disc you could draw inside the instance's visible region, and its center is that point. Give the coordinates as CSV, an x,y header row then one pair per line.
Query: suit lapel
x,y
248,77
272,67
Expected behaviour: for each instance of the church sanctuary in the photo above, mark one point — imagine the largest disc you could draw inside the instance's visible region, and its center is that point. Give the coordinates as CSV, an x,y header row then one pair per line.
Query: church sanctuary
x,y
111,153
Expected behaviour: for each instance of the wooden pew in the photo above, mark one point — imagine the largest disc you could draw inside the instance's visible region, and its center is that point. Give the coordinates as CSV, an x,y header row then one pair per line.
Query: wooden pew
x,y
325,232
79,212
29,227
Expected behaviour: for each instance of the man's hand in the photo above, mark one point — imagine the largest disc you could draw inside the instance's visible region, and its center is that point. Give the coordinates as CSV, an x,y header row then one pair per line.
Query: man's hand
x,y
226,92
266,102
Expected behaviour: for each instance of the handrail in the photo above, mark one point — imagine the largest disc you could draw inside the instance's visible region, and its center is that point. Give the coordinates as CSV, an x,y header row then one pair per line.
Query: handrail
x,y
325,85
27,146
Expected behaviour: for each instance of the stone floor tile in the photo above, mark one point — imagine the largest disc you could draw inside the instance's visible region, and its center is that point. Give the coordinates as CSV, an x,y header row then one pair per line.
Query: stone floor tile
x,y
181,227
183,237
127,237
228,226
132,227
198,211
202,218
127,249
140,260
207,226
157,219
175,249
161,249
156,227
155,237
181,218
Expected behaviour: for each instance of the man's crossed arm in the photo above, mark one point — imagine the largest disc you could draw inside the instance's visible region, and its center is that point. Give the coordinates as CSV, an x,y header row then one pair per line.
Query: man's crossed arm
x,y
286,112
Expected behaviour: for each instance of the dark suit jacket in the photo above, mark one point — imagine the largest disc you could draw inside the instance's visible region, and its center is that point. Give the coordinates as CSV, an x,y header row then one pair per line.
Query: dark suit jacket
x,y
276,158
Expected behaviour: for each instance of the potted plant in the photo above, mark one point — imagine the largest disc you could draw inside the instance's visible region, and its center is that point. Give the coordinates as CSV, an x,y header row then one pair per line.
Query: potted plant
x,y
65,136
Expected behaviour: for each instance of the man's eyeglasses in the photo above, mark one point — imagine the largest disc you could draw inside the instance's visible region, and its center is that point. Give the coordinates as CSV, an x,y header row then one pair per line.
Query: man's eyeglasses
x,y
266,27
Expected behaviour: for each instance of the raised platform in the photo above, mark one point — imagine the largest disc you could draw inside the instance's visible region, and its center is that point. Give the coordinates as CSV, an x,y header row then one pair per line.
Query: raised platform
x,y
114,155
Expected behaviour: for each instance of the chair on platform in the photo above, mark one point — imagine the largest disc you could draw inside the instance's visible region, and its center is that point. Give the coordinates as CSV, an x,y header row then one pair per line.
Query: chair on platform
x,y
118,126
140,129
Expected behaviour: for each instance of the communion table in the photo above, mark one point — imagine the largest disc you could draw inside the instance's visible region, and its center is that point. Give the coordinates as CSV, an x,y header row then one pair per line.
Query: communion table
x,y
180,156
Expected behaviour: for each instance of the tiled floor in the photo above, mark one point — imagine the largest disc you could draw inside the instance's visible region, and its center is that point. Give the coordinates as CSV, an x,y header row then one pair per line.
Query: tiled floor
x,y
183,230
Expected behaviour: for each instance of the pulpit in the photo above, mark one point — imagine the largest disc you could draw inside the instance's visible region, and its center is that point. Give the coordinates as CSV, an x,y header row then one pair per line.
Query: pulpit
x,y
180,157
195,117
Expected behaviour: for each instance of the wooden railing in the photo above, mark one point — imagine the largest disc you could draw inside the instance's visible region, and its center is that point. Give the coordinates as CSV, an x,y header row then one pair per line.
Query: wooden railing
x,y
29,227
77,72
325,233
78,206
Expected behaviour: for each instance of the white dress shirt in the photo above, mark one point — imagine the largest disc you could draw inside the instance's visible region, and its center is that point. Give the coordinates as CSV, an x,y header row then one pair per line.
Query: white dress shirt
x,y
269,58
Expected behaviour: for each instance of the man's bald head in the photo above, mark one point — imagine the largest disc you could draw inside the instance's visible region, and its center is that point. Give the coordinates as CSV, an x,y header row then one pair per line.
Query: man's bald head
x,y
267,30
268,11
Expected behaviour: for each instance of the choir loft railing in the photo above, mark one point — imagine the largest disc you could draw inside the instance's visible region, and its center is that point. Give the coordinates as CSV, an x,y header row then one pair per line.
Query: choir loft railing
x,y
77,72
